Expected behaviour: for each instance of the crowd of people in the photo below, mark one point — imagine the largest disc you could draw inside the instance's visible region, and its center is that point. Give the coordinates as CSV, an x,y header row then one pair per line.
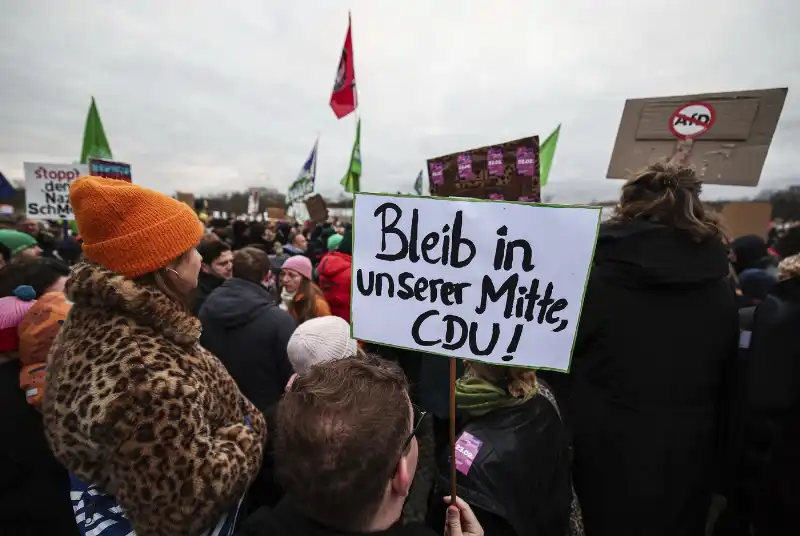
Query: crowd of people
x,y
166,377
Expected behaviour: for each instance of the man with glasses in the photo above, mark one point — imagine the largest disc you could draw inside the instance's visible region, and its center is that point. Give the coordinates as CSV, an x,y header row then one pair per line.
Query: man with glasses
x,y
346,454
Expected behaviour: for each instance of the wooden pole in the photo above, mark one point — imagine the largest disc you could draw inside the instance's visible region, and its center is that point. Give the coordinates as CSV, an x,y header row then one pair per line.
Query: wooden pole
x,y
454,486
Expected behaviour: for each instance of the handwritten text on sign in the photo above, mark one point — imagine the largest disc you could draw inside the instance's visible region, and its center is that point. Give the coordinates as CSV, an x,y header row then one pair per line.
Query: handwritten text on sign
x,y
47,189
490,281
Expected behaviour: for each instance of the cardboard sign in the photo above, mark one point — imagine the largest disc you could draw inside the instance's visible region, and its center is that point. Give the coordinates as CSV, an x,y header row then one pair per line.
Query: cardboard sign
x,y
186,197
730,132
744,219
497,282
47,189
276,213
506,171
317,209
110,169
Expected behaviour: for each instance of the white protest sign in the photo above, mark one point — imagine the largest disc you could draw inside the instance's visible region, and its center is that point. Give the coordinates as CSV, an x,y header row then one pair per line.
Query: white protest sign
x,y
498,282
47,189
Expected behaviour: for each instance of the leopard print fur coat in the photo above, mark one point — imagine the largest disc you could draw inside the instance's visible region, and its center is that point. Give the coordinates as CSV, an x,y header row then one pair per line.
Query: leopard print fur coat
x,y
135,405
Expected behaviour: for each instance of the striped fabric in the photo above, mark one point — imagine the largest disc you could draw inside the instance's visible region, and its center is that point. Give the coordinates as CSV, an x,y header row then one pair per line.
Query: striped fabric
x,y
99,514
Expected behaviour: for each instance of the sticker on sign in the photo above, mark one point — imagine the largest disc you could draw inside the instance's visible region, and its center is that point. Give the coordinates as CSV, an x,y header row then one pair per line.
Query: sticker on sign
x,y
692,120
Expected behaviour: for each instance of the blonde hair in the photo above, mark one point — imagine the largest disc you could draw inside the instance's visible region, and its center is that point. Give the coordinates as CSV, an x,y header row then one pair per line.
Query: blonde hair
x,y
519,382
669,194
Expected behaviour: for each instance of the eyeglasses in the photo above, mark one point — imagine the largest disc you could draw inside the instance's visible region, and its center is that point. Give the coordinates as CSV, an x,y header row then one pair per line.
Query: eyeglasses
x,y
419,416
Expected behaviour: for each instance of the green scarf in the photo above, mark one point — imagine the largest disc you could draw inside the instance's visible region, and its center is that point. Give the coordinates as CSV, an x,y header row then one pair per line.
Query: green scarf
x,y
478,397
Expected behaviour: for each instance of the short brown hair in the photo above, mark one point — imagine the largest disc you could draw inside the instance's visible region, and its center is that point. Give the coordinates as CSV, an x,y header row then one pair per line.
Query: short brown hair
x,y
340,434
669,194
251,264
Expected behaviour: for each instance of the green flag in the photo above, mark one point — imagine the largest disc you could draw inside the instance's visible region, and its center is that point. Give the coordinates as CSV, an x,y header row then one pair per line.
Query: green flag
x,y
546,153
352,179
95,143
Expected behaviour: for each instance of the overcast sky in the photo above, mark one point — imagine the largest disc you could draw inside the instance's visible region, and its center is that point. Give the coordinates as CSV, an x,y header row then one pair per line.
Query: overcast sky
x,y
207,96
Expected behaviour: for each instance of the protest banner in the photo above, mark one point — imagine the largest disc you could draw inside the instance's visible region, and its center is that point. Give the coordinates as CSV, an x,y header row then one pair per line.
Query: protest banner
x,y
505,171
744,219
110,169
317,209
499,282
724,136
276,213
47,189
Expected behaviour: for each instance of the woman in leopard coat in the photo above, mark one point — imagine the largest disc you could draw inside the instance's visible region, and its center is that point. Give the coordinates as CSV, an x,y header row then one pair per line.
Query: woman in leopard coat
x,y
134,405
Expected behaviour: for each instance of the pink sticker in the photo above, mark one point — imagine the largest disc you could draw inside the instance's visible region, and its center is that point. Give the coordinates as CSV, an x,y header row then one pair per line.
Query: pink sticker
x,y
467,448
526,161
465,167
494,162
497,197
527,199
436,173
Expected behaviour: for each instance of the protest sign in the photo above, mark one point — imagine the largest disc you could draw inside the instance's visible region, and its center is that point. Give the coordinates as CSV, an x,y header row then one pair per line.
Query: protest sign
x,y
730,134
110,169
186,197
505,171
498,282
47,189
317,209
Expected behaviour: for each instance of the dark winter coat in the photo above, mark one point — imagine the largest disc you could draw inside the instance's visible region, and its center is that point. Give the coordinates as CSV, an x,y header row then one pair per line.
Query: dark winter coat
x,y
34,487
206,284
769,477
657,341
519,481
285,520
249,334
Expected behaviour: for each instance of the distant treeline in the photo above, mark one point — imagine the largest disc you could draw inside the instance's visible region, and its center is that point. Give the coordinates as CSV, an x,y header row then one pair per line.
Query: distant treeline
x,y
230,202
785,203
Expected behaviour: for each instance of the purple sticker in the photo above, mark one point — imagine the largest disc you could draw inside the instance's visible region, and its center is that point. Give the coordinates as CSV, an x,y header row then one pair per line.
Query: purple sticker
x,y
494,162
527,199
497,197
467,448
465,167
526,161
437,173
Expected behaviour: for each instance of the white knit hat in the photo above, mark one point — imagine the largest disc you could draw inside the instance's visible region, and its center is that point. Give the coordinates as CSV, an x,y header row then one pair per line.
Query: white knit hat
x,y
325,338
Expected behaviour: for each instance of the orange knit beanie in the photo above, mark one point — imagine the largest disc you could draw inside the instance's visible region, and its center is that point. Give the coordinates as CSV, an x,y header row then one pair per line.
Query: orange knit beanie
x,y
129,229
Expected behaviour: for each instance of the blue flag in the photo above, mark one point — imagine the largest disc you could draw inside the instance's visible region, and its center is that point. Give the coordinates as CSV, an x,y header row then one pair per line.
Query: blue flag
x,y
303,186
6,190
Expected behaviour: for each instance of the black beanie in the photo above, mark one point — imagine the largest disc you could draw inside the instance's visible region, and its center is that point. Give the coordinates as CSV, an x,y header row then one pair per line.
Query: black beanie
x,y
346,245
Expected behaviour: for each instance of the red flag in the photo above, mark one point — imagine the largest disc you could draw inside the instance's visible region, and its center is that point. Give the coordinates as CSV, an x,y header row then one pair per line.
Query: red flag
x,y
343,96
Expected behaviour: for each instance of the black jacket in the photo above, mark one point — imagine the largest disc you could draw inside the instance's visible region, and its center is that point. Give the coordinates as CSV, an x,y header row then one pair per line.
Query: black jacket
x,y
656,344
34,487
519,481
206,284
249,334
285,520
767,490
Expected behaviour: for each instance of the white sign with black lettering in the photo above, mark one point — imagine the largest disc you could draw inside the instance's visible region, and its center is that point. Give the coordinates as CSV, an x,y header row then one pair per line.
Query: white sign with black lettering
x,y
498,282
47,189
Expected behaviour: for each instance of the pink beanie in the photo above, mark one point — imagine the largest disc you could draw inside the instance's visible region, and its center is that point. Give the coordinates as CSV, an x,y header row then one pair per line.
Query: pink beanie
x,y
300,264
12,310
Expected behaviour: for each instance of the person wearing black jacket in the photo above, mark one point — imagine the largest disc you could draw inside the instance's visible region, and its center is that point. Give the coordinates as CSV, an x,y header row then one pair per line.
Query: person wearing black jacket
x,y
513,455
215,269
245,329
655,348
766,493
